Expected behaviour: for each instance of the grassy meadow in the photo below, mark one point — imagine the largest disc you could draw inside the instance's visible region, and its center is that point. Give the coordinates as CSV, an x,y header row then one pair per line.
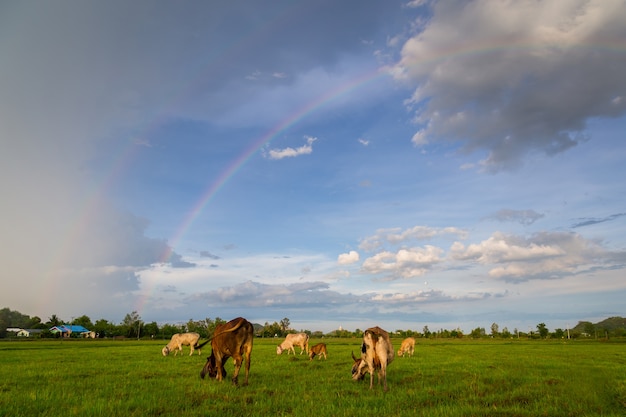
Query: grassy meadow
x,y
444,378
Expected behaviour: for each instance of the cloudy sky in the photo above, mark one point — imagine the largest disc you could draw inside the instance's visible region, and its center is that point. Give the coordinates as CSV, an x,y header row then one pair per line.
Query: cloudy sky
x,y
339,163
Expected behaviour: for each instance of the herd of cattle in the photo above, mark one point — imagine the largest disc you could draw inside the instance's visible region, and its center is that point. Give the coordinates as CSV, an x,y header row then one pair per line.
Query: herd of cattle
x,y
234,339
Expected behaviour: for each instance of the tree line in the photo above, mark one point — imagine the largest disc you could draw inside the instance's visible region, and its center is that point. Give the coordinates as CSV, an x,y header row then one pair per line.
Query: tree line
x,y
132,326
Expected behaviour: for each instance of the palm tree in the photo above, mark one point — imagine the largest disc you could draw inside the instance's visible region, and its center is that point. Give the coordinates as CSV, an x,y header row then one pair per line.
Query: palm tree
x,y
54,320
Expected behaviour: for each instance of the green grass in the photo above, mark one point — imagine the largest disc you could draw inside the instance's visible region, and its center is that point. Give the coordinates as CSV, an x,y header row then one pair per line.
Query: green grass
x,y
444,378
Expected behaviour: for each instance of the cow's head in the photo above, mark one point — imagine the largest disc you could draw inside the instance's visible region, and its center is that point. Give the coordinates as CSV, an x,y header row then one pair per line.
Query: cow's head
x,y
359,368
165,351
210,368
279,350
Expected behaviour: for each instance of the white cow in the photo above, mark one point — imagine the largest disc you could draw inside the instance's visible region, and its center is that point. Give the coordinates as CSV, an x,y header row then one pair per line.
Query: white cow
x,y
407,347
183,339
376,354
295,339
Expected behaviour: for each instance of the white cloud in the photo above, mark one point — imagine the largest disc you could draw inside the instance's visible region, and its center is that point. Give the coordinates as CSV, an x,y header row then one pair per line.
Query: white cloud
x,y
396,236
419,138
291,152
512,78
405,263
348,258
545,255
364,142
415,3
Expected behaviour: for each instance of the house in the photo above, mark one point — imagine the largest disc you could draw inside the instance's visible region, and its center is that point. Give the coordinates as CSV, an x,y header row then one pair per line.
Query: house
x,y
67,329
29,332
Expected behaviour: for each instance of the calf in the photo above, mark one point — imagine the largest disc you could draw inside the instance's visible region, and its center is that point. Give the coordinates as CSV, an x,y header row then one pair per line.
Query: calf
x,y
376,354
319,349
407,347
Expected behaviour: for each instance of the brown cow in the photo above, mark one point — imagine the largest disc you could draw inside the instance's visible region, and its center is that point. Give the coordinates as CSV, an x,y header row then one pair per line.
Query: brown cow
x,y
407,347
295,339
376,354
319,349
231,339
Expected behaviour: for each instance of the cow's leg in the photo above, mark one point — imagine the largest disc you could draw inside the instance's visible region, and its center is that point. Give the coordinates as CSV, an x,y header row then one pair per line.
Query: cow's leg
x,y
248,352
190,349
237,361
383,371
219,365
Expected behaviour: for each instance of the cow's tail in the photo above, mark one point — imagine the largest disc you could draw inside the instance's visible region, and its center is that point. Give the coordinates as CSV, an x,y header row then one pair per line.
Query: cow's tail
x,y
199,346
240,321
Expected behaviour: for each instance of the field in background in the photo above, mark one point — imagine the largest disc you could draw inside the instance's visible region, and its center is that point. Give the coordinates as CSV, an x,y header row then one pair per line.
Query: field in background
x,y
444,378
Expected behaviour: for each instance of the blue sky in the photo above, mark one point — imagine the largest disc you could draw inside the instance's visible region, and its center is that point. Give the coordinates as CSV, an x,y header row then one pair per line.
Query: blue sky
x,y
401,164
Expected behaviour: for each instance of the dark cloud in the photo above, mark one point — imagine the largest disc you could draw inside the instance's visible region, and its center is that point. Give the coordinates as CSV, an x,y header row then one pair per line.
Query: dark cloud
x,y
111,237
524,87
524,217
207,254
256,294
591,221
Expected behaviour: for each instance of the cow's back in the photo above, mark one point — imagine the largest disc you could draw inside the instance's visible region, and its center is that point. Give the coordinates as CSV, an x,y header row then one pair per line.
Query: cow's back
x,y
233,336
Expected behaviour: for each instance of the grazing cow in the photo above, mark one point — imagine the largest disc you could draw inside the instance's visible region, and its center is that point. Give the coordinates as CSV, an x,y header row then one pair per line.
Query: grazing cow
x,y
376,353
183,339
296,339
231,339
319,349
407,347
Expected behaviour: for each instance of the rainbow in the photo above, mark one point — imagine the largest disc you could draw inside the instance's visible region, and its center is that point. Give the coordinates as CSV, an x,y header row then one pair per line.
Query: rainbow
x,y
319,102
308,109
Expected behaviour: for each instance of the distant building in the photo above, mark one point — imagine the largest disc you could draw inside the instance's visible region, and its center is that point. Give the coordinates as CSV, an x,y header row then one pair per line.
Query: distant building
x,y
28,332
68,329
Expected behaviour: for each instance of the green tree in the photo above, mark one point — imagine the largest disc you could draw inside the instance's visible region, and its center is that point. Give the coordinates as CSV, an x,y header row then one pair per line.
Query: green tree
x,y
272,330
167,330
506,334
426,332
494,329
284,325
104,328
35,323
151,329
54,320
543,330
83,321
478,332
132,324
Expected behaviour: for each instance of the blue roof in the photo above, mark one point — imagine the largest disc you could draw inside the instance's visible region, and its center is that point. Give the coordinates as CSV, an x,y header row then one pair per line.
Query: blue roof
x,y
74,328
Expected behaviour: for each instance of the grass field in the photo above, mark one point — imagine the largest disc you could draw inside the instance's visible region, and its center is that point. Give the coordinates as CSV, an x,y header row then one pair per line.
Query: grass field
x,y
444,378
